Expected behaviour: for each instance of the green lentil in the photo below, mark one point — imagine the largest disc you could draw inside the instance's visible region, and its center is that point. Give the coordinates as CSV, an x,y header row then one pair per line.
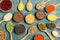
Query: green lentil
x,y
41,26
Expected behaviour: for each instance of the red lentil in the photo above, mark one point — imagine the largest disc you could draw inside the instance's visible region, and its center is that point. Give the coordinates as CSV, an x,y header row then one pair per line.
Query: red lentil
x,y
38,37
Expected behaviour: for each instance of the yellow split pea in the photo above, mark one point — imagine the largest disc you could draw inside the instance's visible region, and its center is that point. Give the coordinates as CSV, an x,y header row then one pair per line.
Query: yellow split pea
x,y
30,18
52,17
21,6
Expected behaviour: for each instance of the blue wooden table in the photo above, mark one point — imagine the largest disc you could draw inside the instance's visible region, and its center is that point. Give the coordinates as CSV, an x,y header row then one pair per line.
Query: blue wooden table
x,y
14,9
